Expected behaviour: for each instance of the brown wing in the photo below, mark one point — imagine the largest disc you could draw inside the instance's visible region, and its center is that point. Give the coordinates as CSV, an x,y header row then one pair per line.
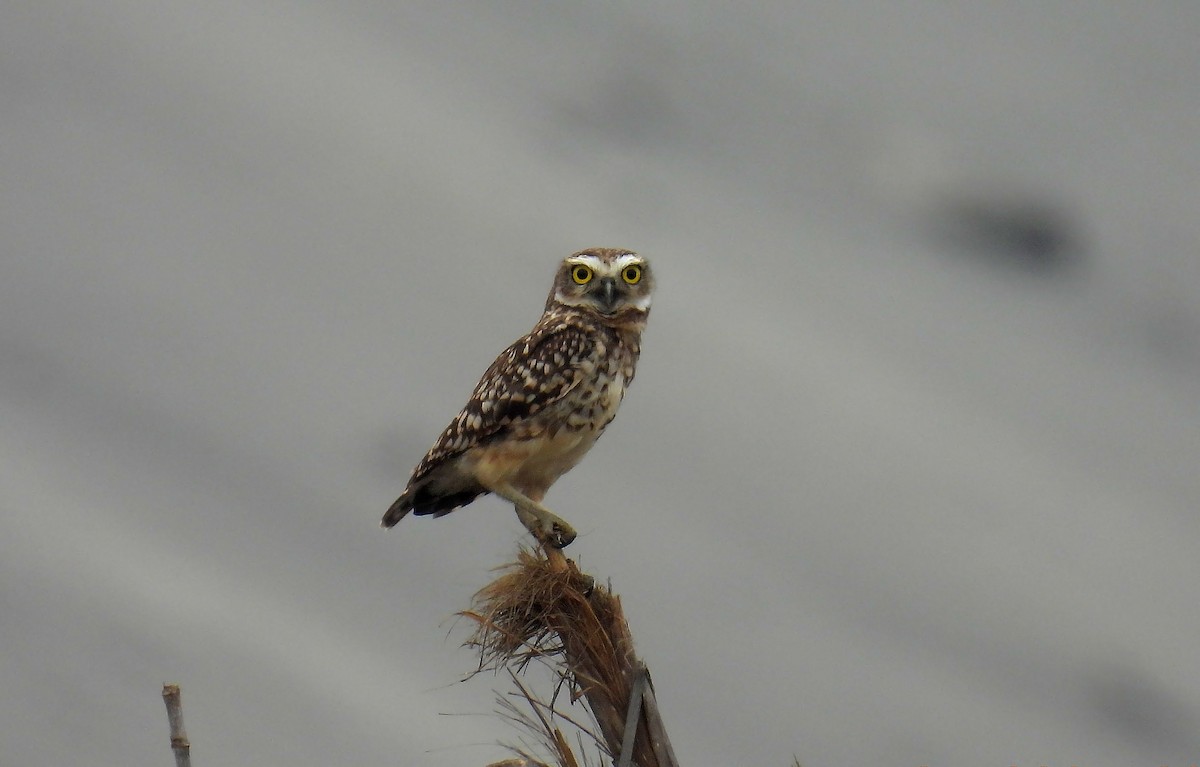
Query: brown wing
x,y
531,374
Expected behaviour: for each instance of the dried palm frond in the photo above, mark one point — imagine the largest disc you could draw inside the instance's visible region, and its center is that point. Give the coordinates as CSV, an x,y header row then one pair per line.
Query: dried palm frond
x,y
545,609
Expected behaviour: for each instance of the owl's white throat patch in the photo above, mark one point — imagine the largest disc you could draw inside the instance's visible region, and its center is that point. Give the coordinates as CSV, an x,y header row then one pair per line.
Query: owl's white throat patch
x,y
642,303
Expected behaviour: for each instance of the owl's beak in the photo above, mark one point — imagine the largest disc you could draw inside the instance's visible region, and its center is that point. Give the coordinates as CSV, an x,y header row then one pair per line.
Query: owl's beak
x,y
606,294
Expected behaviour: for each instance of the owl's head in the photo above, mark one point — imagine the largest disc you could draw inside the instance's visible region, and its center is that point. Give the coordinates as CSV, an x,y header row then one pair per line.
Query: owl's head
x,y
611,283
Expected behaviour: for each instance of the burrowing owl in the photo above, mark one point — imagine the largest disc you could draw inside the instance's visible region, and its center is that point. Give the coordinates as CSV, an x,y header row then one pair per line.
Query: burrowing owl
x,y
545,400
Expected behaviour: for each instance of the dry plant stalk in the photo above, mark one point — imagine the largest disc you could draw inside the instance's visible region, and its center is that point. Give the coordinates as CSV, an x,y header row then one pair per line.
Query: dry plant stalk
x,y
179,739
546,609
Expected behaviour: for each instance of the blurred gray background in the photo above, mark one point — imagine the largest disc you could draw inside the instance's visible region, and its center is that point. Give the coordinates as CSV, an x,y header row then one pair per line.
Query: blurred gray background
x,y
909,473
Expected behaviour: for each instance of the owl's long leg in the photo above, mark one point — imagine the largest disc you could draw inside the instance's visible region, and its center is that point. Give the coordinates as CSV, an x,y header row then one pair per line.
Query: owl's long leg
x,y
543,524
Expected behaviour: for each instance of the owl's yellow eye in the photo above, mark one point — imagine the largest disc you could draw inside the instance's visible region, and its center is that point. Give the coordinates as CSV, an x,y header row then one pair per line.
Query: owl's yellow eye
x,y
581,274
631,274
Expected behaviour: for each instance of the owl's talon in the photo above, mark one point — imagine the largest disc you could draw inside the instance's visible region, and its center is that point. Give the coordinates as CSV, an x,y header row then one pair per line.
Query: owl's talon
x,y
552,532
546,527
561,535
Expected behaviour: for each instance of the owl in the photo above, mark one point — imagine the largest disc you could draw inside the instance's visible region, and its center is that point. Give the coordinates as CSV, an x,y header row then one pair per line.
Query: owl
x,y
545,400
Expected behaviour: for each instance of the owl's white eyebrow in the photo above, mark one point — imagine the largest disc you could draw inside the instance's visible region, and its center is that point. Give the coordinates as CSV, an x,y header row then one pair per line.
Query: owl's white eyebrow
x,y
628,259
596,263
586,260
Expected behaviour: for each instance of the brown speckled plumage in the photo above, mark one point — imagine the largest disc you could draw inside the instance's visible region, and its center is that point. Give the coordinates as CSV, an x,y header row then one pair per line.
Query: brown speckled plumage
x,y
546,399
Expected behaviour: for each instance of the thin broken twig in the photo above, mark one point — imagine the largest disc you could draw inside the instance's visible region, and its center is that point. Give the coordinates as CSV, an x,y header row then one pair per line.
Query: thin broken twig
x,y
179,739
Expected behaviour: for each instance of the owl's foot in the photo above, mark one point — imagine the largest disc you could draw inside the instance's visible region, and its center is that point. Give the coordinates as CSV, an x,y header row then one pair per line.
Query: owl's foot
x,y
550,529
543,524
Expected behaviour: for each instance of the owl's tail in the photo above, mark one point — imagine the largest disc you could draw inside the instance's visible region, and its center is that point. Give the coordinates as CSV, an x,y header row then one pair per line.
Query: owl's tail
x,y
422,499
402,506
